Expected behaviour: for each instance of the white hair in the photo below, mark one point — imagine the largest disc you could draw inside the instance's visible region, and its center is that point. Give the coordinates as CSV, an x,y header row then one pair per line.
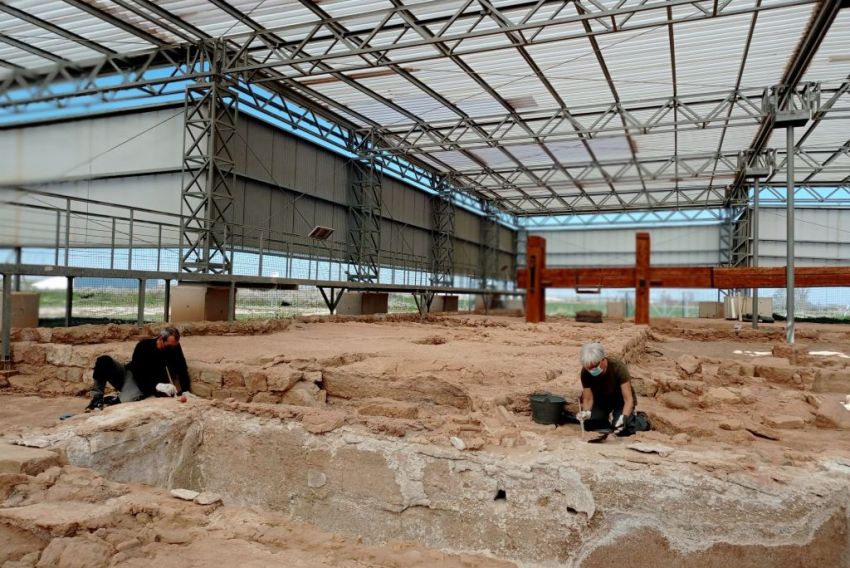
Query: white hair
x,y
591,354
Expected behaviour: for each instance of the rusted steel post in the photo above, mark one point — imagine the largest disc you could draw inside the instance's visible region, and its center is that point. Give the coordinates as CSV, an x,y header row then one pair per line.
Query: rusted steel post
x,y
642,279
535,294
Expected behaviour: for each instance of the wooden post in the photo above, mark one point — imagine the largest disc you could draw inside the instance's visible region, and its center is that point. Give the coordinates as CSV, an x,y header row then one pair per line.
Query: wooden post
x,y
535,298
642,279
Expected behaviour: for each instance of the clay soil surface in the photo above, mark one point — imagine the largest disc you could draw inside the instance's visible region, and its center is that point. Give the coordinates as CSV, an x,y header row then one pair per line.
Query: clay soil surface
x,y
721,397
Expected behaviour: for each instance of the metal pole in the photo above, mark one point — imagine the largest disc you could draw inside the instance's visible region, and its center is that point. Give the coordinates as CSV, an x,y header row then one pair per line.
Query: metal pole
x,y
69,300
67,230
58,226
167,300
140,316
260,263
18,258
158,245
130,244
789,260
231,302
7,320
112,246
755,257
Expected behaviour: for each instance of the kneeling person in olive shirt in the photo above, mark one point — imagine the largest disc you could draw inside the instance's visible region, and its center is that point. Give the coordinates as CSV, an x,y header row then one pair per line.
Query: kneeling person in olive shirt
x,y
607,394
158,368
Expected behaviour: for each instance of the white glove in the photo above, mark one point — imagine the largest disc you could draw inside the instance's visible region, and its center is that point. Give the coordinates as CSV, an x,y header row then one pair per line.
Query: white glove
x,y
583,415
167,389
619,424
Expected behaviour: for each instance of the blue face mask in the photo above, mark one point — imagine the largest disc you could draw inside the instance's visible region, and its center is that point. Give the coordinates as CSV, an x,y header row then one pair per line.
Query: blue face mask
x,y
596,371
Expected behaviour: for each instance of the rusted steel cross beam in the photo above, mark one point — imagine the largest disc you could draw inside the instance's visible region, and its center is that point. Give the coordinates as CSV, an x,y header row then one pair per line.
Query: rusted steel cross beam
x,y
535,278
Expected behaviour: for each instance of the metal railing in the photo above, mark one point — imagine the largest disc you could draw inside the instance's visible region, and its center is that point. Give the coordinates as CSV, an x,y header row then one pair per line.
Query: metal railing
x,y
97,234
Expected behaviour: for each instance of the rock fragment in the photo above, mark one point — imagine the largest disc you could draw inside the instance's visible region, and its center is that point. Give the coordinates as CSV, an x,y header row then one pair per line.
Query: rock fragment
x,y
207,498
184,494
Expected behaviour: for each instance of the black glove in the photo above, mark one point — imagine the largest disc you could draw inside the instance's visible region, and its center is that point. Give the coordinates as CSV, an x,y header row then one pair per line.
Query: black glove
x,y
624,426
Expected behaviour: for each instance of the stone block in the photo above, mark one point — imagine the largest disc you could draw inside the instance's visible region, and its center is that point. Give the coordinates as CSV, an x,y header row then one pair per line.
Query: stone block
x,y
266,398
281,378
240,394
688,365
74,374
676,400
202,390
832,414
256,382
211,377
784,422
59,355
25,382
719,396
315,376
30,461
233,378
444,304
304,393
221,394
199,303
774,369
837,380
363,303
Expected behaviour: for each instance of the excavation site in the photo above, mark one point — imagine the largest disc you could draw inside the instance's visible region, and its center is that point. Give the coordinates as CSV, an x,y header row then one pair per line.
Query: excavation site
x,y
424,283
409,441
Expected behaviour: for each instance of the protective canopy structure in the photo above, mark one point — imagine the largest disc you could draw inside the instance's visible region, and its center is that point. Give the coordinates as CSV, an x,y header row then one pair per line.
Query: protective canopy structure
x,y
539,107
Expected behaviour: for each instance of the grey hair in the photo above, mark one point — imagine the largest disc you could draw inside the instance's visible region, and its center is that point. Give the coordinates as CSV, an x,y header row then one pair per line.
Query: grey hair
x,y
169,331
591,354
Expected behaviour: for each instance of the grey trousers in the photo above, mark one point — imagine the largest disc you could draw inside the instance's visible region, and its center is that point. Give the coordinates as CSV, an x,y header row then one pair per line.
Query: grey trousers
x,y
109,371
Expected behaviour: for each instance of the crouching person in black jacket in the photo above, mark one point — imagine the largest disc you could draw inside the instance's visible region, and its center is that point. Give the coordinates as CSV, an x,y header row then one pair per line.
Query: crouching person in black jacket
x,y
158,368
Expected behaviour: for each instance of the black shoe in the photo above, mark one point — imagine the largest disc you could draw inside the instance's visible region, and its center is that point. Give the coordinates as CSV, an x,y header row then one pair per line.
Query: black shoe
x,y
95,404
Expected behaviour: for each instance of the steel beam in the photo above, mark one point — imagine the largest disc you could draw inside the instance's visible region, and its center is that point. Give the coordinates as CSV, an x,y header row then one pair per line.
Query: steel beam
x,y
535,278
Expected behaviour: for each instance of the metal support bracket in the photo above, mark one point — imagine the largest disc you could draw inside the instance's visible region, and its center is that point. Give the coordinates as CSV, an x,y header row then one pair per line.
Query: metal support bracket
x,y
332,301
791,106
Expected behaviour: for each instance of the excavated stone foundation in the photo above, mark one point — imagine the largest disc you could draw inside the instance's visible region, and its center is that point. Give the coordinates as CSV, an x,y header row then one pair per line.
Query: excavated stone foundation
x,y
372,434
565,506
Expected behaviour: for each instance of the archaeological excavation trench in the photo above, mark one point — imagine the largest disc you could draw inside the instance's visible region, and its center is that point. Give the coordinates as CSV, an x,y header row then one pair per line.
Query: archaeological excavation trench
x,y
364,453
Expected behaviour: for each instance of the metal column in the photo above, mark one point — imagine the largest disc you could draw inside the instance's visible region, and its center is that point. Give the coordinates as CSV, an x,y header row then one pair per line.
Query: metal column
x,y
489,246
789,253
140,303
18,255
443,213
754,224
69,301
167,301
7,321
364,214
208,163
231,302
